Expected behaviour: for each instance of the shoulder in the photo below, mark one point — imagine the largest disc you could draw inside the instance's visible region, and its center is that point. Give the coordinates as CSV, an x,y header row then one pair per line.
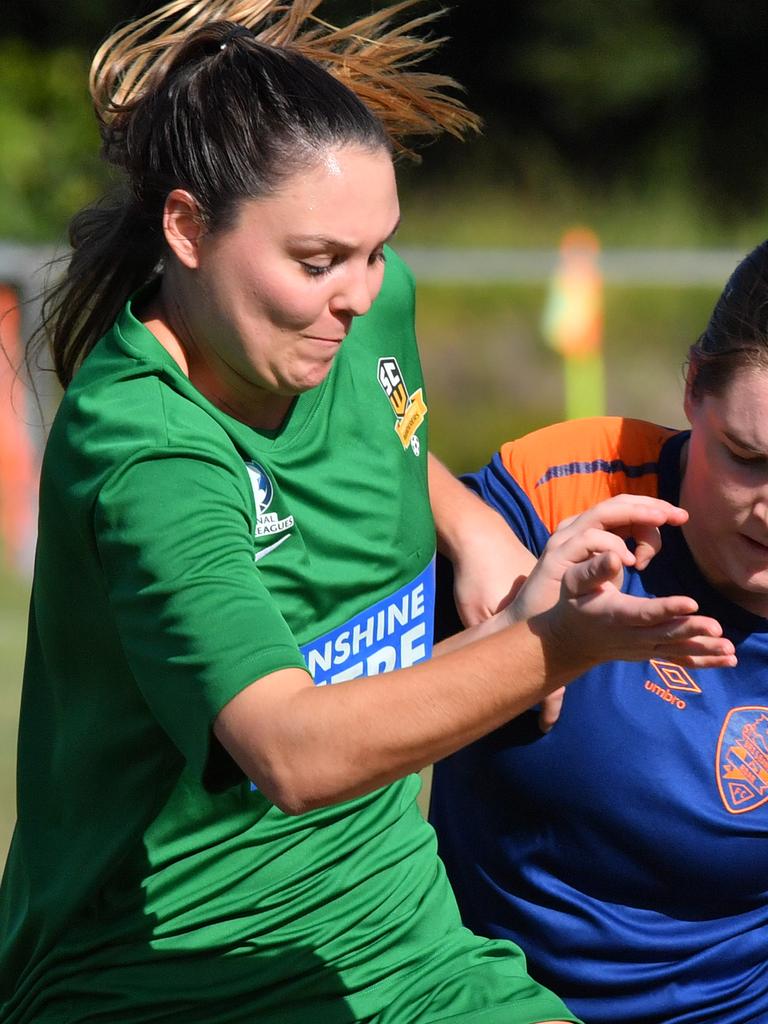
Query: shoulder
x,y
141,408
606,444
107,422
568,467
587,441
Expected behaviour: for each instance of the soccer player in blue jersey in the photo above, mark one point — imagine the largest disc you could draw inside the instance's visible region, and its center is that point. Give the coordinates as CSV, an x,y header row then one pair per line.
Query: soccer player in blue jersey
x,y
626,848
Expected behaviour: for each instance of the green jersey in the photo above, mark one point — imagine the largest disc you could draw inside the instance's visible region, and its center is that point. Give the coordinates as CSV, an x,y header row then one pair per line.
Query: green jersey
x,y
182,556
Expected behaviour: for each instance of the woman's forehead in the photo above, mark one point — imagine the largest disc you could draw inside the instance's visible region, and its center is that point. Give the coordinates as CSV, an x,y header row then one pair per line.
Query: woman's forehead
x,y
345,189
740,409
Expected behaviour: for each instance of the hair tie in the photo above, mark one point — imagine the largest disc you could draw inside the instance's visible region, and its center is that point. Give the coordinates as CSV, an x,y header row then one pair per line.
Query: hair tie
x,y
233,33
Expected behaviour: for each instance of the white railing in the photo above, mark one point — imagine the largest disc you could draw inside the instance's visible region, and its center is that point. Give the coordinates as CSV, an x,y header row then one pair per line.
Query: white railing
x,y
23,266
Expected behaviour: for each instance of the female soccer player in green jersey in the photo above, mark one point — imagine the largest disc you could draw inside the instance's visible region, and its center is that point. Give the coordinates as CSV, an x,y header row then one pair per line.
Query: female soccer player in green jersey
x,y
234,512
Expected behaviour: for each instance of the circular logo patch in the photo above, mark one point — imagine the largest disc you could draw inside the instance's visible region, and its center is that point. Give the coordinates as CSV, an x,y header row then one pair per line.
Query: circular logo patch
x,y
262,487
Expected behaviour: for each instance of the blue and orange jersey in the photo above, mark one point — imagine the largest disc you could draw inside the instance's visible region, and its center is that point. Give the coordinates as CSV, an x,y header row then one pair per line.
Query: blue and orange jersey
x,y
538,480
626,851
569,467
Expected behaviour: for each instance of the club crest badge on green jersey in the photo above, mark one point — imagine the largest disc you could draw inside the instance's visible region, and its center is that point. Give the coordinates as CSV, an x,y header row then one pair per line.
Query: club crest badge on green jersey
x,y
409,410
268,524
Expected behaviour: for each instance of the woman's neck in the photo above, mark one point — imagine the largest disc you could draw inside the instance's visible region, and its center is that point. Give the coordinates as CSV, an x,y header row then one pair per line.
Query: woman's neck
x,y
213,378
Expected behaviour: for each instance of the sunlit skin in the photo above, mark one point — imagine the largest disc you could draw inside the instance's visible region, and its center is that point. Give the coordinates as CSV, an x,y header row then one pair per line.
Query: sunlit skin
x,y
256,313
725,488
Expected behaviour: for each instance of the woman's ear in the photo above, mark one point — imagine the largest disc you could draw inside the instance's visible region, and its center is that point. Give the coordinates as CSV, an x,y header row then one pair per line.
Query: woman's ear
x,y
183,227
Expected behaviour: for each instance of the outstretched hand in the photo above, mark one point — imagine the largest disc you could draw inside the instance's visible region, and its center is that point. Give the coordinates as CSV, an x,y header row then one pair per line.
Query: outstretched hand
x,y
573,598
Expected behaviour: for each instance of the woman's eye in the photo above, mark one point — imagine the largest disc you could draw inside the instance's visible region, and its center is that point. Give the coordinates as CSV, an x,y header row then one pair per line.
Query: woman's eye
x,y
747,460
378,257
316,270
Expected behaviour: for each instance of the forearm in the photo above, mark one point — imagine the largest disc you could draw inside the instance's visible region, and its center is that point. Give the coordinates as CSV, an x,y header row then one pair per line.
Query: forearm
x,y
461,517
485,628
320,745
306,747
454,508
489,562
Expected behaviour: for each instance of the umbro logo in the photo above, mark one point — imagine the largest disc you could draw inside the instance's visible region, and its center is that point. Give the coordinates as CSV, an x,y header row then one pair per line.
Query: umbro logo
x,y
674,678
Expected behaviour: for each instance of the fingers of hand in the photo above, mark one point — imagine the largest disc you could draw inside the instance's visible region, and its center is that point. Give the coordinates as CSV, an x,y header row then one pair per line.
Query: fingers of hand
x,y
648,544
671,617
549,709
632,511
691,637
675,654
578,545
589,575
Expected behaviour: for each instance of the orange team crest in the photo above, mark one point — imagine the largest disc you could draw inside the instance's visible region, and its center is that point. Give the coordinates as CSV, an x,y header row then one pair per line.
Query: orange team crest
x,y
742,759
409,410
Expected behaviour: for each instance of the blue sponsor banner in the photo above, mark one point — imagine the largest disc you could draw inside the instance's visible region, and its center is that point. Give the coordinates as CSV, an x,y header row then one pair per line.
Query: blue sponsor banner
x,y
393,633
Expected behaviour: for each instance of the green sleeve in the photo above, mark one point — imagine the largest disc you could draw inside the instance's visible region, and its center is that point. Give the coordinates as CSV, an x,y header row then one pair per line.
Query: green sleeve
x,y
174,534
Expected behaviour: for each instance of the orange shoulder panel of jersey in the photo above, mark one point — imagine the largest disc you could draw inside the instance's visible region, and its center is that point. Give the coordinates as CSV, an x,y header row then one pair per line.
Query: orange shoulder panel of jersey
x,y
569,467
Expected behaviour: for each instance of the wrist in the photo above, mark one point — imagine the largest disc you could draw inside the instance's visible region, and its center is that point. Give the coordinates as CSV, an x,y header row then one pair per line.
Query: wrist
x,y
565,653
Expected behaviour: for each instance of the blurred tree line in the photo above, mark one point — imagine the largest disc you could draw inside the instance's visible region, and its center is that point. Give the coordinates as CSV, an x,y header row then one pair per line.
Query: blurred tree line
x,y
592,95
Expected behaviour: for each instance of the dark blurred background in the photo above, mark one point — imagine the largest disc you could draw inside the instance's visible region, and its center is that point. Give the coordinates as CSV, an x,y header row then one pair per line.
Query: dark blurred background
x,y
588,105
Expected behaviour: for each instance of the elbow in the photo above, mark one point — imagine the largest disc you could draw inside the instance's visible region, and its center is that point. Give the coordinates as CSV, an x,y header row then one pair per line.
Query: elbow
x,y
294,804
267,737
288,765
290,799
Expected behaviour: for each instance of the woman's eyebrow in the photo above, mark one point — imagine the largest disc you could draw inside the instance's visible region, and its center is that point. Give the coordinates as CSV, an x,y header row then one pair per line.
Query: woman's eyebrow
x,y
740,443
335,243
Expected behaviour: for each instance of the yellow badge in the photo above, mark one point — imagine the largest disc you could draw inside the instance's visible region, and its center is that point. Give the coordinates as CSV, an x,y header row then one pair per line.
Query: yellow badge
x,y
409,410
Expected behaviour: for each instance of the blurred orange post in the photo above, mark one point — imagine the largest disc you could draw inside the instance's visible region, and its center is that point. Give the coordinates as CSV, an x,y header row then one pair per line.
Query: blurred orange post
x,y
18,457
572,323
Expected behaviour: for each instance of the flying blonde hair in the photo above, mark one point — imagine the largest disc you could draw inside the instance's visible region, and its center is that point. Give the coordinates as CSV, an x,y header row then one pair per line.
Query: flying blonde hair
x,y
374,56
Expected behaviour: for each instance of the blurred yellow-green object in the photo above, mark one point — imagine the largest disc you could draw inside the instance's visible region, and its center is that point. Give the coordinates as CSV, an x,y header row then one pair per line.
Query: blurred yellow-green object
x,y
14,600
572,322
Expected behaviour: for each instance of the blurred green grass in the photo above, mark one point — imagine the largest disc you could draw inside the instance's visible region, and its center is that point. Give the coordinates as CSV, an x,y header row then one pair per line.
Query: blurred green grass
x,y
489,378
473,212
